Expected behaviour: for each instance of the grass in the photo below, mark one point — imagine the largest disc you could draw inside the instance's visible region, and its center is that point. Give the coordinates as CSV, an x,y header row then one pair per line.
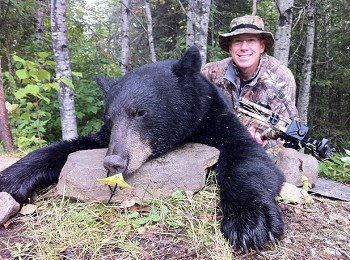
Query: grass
x,y
179,227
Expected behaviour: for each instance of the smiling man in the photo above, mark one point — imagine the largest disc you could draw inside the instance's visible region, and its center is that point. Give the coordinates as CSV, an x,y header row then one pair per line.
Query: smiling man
x,y
252,74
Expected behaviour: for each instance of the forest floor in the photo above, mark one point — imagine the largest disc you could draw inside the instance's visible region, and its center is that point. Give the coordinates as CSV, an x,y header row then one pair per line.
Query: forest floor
x,y
181,227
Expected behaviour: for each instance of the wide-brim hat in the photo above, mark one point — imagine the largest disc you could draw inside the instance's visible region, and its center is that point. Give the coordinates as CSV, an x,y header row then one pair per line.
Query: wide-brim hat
x,y
246,24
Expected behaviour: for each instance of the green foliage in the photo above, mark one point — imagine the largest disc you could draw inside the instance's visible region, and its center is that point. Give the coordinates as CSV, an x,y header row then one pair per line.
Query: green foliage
x,y
338,169
32,87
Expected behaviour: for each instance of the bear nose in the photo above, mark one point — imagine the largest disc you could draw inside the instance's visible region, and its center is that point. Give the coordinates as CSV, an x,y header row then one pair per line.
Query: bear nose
x,y
114,163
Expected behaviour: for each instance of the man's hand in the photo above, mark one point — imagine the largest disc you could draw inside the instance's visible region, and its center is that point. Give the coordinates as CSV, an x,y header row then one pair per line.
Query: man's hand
x,y
257,136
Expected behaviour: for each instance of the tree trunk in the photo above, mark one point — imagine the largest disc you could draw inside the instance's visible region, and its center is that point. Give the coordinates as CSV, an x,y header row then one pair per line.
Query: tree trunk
x,y
63,69
39,23
5,132
305,84
255,2
150,30
283,30
197,26
125,38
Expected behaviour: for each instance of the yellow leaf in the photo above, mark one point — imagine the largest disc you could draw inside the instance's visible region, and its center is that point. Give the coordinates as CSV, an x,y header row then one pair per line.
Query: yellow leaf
x,y
115,179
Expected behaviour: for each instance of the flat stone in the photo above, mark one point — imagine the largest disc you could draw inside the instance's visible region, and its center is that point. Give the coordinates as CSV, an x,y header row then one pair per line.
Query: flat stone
x,y
295,165
184,168
332,189
8,207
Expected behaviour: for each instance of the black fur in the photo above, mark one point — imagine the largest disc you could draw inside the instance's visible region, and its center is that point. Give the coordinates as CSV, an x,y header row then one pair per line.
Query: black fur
x,y
159,106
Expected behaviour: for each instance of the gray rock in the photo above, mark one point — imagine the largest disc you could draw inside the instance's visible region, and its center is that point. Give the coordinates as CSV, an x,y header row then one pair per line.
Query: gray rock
x,y
184,168
295,165
8,207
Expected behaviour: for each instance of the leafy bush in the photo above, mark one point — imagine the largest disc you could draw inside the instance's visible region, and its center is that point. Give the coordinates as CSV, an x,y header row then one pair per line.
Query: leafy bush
x,y
338,169
32,88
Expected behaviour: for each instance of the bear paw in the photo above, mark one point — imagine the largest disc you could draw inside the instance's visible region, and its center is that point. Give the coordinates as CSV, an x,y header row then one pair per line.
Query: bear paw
x,y
252,226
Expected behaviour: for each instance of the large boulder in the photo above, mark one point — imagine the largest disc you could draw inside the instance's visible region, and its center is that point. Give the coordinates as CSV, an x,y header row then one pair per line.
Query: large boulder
x,y
295,165
184,168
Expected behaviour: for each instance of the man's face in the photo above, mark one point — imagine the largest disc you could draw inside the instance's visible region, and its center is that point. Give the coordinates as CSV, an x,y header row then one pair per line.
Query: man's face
x,y
246,49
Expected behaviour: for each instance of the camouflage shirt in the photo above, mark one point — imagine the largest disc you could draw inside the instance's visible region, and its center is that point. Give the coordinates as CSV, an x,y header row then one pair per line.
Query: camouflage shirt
x,y
272,85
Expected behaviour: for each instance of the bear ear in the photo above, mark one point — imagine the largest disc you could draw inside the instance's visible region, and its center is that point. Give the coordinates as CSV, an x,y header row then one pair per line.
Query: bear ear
x,y
189,64
105,84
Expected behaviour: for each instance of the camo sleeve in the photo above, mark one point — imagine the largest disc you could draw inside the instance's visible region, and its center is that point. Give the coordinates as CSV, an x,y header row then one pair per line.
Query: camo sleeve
x,y
280,89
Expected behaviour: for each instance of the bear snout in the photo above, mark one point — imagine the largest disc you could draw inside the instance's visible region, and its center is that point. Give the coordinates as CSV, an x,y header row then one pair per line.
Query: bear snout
x,y
115,164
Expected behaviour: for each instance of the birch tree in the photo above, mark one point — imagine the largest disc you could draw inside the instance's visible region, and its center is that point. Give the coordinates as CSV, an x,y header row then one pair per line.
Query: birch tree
x,y
150,30
255,2
125,37
63,69
305,84
197,26
283,30
39,23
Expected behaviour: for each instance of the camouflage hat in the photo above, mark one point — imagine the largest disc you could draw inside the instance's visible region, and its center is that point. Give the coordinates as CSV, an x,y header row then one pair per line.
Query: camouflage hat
x,y
246,24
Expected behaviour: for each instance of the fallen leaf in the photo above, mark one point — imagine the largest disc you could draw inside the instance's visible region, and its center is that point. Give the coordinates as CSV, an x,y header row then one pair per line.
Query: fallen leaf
x,y
115,179
140,208
127,203
28,209
7,223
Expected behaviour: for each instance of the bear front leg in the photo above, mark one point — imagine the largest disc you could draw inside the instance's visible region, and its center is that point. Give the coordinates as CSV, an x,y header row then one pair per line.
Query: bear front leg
x,y
249,183
42,167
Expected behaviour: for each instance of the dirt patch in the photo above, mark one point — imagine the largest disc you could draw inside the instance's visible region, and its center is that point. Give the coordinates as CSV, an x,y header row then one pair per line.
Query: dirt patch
x,y
6,161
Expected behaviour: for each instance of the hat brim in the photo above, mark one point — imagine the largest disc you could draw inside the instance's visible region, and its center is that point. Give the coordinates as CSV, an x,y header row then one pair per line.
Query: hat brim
x,y
225,38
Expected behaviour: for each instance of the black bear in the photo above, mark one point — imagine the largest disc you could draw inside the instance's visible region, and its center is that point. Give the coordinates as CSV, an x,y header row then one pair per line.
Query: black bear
x,y
149,111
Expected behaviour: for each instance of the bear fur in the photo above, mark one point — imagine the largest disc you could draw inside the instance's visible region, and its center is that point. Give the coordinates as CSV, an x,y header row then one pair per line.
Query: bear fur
x,y
153,109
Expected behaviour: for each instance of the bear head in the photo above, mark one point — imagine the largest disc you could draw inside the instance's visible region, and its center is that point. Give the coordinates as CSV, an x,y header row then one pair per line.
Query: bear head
x,y
152,109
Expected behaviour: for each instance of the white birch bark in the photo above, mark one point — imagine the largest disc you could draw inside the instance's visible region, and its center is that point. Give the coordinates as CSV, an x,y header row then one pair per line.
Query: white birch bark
x,y
63,69
283,30
124,59
305,84
150,30
39,23
255,3
197,26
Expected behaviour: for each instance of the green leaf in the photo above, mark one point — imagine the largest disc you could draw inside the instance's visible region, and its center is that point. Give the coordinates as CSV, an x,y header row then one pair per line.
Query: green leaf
x,y
68,82
55,86
77,74
133,215
32,89
50,62
43,54
47,100
16,58
22,74
44,75
155,218
29,89
178,195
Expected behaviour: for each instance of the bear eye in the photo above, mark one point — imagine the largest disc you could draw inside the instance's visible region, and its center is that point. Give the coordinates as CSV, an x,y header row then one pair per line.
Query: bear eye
x,y
140,113
134,113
